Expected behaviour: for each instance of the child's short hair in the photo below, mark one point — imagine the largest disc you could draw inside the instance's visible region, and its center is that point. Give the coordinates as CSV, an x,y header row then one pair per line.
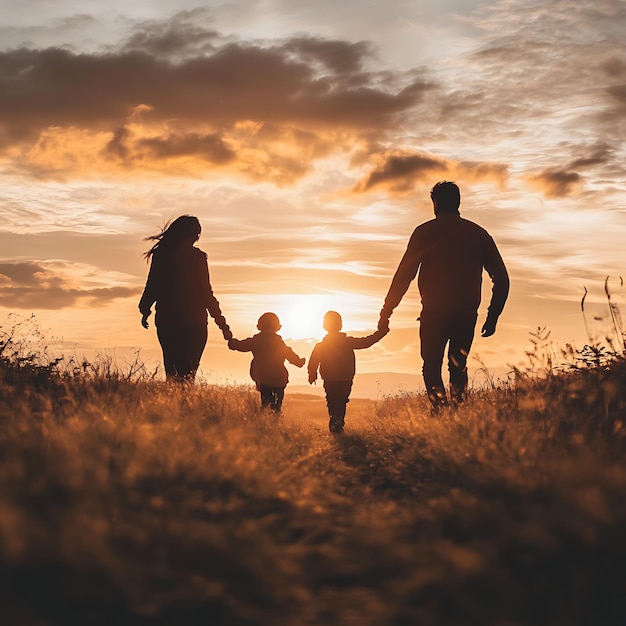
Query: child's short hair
x,y
332,321
268,323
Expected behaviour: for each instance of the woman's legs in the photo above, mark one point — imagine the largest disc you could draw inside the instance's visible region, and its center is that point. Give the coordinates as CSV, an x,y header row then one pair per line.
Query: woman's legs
x,y
182,346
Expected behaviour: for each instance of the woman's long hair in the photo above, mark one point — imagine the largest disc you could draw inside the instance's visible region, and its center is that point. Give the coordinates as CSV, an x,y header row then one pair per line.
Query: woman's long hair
x,y
183,229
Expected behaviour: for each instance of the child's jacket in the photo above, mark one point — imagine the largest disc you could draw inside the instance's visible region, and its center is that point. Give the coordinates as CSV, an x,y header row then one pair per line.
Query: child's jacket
x,y
269,355
334,355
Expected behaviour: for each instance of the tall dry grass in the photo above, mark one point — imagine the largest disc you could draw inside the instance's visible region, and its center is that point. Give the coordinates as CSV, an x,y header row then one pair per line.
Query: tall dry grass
x,y
125,500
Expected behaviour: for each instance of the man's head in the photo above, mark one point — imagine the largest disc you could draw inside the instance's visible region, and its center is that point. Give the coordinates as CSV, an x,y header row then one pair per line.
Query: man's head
x,y
332,322
446,198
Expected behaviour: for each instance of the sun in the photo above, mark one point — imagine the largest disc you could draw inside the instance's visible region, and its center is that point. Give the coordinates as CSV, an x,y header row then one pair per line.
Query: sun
x,y
301,316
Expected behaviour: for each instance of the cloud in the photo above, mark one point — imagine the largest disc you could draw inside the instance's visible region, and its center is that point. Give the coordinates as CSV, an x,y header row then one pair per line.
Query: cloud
x,y
57,285
556,183
399,171
177,90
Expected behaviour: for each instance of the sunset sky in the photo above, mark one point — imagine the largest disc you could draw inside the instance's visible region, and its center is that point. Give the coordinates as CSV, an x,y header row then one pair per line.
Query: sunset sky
x,y
306,137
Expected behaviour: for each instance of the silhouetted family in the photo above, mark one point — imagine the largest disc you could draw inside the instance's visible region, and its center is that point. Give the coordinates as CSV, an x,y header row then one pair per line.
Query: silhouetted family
x,y
447,254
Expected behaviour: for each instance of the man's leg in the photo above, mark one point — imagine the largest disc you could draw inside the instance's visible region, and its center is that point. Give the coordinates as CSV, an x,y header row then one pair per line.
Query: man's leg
x,y
461,337
433,339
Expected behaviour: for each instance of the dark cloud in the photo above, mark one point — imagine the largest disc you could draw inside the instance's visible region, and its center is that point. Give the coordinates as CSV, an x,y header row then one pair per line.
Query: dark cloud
x,y
178,96
599,155
556,183
210,147
398,172
48,285
303,82
182,36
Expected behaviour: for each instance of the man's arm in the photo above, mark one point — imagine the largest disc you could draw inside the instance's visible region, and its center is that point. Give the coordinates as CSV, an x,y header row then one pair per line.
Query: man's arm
x,y
500,291
406,272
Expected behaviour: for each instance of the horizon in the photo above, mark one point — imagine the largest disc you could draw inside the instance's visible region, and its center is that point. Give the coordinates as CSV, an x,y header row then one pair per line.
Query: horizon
x,y
306,140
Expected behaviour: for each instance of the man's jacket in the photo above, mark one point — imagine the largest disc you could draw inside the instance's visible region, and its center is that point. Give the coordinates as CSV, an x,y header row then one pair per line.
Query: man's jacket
x,y
450,254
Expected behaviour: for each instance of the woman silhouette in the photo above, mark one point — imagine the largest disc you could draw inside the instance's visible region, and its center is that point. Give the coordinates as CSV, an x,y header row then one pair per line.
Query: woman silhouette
x,y
178,281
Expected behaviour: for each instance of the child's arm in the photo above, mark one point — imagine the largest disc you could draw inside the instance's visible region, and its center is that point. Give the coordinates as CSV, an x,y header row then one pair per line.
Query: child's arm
x,y
293,358
240,345
314,363
358,343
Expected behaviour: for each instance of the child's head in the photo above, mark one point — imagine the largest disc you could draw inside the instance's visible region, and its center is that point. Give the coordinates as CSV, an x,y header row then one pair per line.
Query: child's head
x,y
332,322
268,323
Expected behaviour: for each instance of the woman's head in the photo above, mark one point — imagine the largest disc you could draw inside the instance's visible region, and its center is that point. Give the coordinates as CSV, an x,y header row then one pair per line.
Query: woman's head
x,y
268,323
183,230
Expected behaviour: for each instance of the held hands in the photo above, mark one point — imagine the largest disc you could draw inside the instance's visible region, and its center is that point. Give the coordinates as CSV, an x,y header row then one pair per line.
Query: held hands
x,y
224,327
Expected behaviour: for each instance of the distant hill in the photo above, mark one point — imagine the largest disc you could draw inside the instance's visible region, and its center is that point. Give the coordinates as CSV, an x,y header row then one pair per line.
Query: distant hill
x,y
372,386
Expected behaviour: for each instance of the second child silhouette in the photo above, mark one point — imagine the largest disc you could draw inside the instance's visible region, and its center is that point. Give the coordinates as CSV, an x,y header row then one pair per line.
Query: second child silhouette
x,y
269,352
334,356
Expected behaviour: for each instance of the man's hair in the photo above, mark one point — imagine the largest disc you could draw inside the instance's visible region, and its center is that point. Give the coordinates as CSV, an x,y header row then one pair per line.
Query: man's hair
x,y
447,196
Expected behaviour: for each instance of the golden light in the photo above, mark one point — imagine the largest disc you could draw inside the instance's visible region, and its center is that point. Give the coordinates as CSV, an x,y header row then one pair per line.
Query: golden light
x,y
301,316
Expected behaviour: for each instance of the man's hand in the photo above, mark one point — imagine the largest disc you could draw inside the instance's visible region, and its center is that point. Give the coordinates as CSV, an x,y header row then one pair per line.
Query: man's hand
x,y
312,378
144,320
489,328
301,362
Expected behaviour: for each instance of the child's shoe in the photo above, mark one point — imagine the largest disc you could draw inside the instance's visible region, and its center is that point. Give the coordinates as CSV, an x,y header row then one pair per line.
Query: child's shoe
x,y
335,427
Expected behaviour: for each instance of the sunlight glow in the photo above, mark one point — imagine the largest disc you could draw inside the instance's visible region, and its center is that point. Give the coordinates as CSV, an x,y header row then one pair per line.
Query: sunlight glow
x,y
302,316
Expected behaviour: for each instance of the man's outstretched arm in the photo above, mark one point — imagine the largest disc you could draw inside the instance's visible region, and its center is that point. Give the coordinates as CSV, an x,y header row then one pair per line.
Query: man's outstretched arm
x,y
404,276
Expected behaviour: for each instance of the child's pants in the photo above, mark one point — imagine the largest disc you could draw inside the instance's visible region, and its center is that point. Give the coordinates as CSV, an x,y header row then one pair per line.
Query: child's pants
x,y
272,397
337,397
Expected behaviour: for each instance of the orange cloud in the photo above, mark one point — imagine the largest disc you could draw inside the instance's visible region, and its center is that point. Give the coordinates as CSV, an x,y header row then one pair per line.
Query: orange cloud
x,y
176,91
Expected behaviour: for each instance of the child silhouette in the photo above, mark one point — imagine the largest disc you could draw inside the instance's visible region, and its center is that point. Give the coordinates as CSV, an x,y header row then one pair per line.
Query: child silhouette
x,y
334,356
269,352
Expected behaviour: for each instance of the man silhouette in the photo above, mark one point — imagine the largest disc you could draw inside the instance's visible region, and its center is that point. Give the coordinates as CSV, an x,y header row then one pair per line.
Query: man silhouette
x,y
450,254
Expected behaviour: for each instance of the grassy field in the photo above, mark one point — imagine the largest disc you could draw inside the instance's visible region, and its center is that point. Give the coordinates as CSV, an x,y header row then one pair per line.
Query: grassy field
x,y
125,500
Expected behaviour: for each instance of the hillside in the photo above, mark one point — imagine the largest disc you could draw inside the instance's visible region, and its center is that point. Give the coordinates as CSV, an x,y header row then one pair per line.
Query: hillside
x,y
128,501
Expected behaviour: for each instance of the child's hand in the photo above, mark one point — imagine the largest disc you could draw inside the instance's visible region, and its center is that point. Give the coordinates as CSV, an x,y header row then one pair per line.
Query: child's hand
x,y
231,343
301,362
